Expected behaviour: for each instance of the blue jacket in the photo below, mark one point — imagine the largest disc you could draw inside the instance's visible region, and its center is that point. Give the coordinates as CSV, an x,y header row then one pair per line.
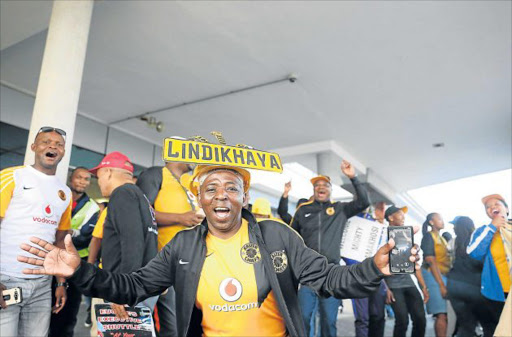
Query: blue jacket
x,y
479,248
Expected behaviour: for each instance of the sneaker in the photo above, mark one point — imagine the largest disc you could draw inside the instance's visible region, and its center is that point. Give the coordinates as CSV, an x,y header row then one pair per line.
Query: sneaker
x,y
88,322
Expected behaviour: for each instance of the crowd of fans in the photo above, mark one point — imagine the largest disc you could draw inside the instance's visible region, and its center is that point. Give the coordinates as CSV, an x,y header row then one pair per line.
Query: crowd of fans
x,y
471,273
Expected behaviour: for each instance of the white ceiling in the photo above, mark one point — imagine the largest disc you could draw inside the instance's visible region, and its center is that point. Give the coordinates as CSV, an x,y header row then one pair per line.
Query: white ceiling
x,y
384,80
21,19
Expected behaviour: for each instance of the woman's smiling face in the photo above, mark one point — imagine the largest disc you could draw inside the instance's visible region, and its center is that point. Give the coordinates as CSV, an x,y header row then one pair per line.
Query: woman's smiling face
x,y
222,198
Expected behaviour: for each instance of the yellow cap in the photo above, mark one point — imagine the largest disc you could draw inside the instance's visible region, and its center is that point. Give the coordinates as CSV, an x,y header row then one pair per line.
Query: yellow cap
x,y
261,206
493,196
202,169
320,177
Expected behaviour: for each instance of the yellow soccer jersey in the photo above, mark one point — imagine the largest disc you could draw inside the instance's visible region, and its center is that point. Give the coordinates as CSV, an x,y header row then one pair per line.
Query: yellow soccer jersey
x,y
31,204
98,228
172,198
227,293
500,261
443,258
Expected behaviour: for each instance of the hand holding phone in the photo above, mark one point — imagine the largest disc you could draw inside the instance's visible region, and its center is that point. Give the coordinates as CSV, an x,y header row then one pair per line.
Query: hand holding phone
x,y
10,296
399,256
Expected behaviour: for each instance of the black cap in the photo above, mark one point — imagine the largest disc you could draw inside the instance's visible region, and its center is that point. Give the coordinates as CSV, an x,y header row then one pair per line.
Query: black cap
x,y
393,209
462,220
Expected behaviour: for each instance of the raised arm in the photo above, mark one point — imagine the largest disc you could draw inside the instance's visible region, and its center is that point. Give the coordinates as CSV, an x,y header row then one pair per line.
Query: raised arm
x,y
480,242
282,209
361,200
130,288
355,281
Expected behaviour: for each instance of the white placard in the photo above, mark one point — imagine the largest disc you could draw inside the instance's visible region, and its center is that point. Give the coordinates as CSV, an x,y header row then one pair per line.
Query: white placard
x,y
360,239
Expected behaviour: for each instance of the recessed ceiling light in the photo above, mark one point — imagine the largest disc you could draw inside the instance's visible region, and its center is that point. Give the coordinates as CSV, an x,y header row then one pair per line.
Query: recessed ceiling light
x,y
437,145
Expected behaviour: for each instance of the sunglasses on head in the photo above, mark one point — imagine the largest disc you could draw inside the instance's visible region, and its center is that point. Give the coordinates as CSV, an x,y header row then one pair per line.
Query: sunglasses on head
x,y
52,129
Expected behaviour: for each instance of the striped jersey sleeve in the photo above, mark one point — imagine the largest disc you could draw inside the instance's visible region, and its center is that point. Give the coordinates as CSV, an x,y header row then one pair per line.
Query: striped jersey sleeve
x,y
65,219
7,185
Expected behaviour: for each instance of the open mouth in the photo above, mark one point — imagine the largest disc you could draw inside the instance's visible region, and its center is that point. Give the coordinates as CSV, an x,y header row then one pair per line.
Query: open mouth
x,y
495,212
221,212
51,154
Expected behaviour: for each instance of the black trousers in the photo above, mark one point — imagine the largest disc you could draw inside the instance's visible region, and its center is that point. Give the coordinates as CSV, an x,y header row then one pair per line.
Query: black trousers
x,y
369,314
408,301
63,323
471,307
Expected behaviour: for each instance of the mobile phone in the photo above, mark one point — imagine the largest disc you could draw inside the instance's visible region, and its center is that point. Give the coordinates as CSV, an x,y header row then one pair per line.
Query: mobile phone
x,y
12,296
399,262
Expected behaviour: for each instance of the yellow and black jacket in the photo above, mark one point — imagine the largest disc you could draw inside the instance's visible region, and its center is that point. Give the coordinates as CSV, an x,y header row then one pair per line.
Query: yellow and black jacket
x,y
180,264
321,224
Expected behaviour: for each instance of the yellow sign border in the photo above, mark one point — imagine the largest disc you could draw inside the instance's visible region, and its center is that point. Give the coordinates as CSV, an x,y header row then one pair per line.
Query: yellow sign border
x,y
191,151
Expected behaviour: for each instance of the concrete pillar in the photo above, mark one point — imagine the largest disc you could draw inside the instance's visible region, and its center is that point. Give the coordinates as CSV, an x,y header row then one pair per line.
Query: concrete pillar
x,y
59,84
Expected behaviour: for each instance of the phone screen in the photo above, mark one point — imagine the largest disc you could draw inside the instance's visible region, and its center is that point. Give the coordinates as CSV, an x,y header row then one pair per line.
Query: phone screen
x,y
399,262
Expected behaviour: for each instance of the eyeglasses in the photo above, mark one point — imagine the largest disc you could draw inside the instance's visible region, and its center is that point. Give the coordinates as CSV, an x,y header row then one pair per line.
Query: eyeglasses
x,y
52,129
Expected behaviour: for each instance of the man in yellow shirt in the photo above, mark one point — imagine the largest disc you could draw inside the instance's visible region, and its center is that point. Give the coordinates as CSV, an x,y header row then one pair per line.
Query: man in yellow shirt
x,y
175,206
175,209
233,276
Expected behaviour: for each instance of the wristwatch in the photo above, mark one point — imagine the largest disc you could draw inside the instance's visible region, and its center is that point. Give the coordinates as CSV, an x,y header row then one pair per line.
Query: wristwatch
x,y
62,284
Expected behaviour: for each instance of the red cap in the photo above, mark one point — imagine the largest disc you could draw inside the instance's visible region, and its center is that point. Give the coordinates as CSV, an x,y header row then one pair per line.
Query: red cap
x,y
114,160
